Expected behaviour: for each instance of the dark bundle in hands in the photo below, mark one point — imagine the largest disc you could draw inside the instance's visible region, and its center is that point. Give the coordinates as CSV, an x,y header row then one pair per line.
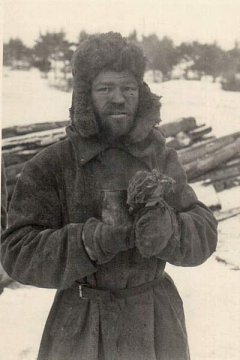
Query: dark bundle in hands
x,y
154,220
148,189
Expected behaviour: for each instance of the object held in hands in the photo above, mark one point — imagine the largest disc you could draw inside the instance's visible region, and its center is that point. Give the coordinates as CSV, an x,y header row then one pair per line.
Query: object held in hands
x,y
114,207
148,189
155,220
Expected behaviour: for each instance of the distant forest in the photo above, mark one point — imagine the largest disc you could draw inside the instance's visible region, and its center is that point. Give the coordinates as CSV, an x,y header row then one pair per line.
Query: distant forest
x,y
52,53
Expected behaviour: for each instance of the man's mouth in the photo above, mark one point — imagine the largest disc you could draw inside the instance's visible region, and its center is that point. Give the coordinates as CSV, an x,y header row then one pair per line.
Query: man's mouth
x,y
117,113
118,116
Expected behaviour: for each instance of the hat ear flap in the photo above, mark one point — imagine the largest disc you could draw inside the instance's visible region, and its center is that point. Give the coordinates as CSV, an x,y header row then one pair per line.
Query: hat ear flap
x,y
82,114
147,100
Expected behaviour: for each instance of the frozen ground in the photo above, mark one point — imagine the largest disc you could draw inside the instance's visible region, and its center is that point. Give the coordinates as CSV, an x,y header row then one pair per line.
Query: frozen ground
x,y
203,100
210,292
27,99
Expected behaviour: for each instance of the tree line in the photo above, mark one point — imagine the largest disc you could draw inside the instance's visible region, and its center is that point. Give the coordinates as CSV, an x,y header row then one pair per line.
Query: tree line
x,y
52,51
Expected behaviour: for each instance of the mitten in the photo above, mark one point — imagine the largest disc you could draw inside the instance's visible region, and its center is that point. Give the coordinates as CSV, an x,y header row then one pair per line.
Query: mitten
x,y
102,241
155,221
154,228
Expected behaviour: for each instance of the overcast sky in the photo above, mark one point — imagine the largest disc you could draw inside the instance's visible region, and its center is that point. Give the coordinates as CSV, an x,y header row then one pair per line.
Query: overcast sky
x,y
182,20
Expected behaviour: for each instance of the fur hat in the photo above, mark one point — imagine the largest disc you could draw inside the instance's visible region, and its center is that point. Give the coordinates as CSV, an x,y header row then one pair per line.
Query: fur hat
x,y
99,52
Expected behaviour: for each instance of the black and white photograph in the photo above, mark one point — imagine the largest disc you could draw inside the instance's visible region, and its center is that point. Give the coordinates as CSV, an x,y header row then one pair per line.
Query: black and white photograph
x,y
120,180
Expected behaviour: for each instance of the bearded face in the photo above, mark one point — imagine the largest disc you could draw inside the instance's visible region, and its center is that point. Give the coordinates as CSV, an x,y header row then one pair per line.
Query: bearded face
x,y
115,100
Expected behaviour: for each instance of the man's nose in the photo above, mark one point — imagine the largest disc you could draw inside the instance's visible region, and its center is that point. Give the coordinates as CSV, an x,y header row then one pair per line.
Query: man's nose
x,y
117,96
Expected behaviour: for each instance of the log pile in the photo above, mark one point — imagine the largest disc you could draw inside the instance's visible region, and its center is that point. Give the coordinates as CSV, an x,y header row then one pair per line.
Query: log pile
x,y
205,158
23,145
215,161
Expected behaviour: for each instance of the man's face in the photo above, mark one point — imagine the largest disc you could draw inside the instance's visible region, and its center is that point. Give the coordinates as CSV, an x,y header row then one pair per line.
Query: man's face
x,y
115,100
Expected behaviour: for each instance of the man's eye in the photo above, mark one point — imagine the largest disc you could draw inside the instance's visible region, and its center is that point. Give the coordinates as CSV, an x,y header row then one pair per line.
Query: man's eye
x,y
130,88
103,89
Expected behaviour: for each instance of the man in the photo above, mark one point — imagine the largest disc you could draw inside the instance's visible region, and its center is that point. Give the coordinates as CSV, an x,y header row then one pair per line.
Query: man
x,y
70,227
4,279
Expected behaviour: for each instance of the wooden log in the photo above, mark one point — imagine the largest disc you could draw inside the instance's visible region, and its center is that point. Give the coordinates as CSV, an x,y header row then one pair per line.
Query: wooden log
x,y
205,138
14,157
232,182
224,172
235,136
185,139
202,165
192,153
233,162
14,149
194,146
31,144
52,139
180,141
27,129
229,183
198,133
36,139
173,128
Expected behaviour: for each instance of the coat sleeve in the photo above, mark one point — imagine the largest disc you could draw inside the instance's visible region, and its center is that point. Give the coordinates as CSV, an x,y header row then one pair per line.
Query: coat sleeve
x,y
37,249
195,235
3,198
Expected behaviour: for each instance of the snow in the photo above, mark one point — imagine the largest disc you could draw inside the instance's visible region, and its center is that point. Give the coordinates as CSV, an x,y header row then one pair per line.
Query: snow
x,y
210,292
207,193
27,99
203,100
24,311
210,295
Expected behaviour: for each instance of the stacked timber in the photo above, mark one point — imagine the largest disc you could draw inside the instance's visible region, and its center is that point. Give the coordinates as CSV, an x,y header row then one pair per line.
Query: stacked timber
x,y
204,157
28,129
26,142
185,132
215,161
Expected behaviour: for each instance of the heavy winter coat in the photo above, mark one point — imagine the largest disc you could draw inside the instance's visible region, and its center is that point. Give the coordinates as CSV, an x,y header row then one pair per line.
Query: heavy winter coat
x,y
57,192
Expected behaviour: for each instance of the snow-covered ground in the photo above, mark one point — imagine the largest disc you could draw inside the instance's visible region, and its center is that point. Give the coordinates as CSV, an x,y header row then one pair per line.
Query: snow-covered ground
x,y
210,292
27,99
203,100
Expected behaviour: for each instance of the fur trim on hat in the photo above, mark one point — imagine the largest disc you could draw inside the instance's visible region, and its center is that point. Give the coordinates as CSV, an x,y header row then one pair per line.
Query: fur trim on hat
x,y
100,52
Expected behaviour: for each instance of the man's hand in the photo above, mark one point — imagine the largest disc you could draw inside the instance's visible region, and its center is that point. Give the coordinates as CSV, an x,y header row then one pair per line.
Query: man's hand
x,y
154,227
155,222
102,242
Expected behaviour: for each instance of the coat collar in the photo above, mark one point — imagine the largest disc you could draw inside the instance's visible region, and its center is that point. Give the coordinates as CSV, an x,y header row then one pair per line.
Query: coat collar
x,y
88,148
85,148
